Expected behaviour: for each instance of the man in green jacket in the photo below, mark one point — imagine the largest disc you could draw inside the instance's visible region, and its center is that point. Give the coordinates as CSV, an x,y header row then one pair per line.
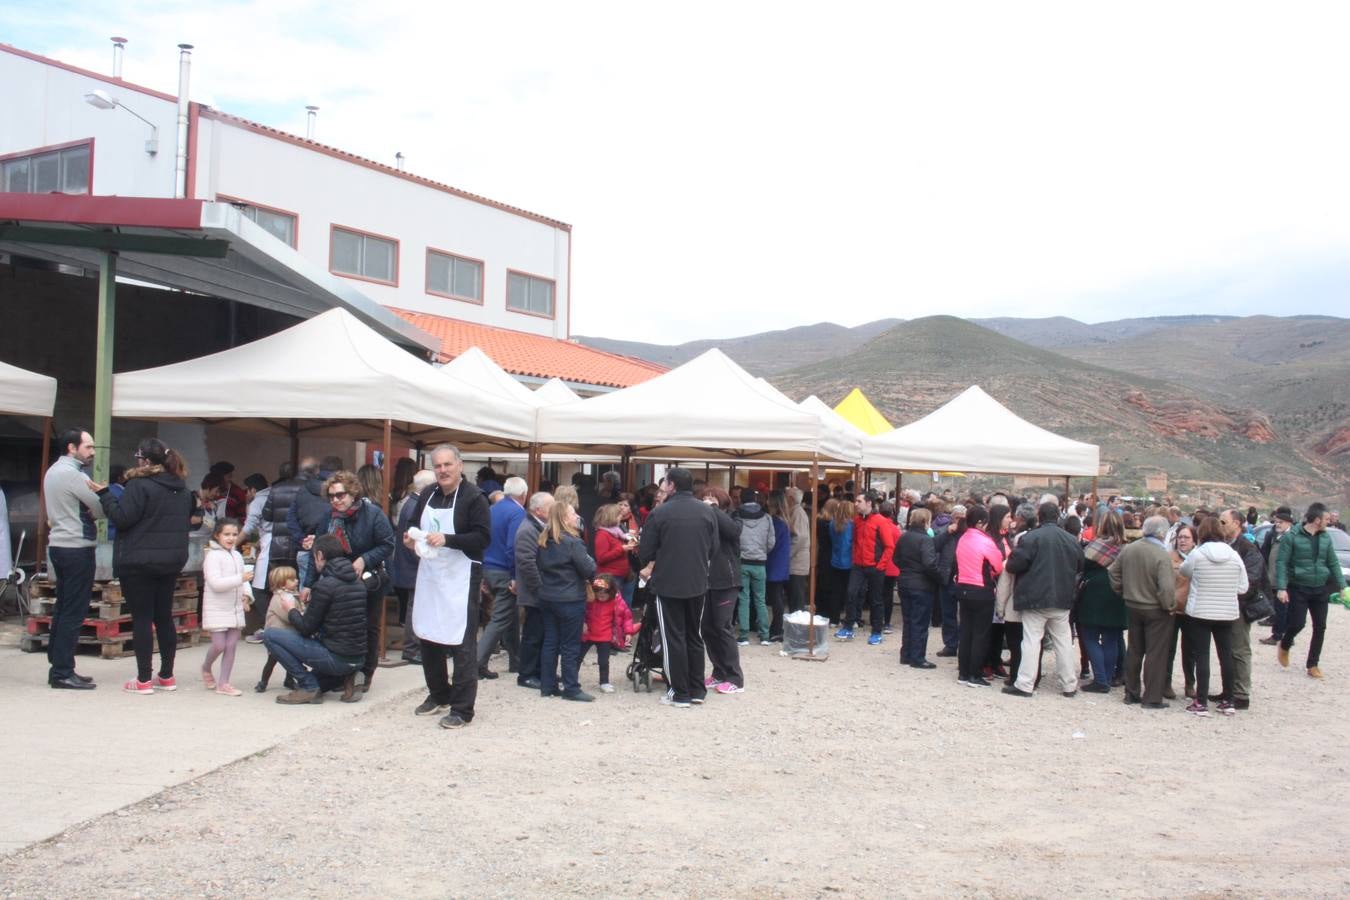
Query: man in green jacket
x,y
1304,573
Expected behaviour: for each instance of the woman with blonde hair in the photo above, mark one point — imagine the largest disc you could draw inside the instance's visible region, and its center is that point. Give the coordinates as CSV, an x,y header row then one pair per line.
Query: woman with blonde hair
x,y
841,558
564,569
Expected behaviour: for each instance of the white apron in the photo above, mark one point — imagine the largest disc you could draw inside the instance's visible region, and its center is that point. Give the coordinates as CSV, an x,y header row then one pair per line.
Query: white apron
x,y
441,604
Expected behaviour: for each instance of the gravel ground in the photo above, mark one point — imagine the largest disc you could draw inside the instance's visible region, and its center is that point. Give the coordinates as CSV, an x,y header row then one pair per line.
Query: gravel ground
x,y
849,777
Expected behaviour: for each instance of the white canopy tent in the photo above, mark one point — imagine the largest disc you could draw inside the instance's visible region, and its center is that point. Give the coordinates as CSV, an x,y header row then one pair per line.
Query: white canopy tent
x,y
482,372
25,393
833,419
973,432
708,408
331,375
555,391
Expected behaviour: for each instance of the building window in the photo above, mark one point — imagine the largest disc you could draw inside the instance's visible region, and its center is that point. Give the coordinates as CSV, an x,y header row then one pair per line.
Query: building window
x,y
362,255
528,294
280,224
457,277
63,171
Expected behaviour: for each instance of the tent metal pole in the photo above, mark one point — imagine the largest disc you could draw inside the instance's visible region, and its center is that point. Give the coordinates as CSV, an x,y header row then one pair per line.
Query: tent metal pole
x,y
1067,498
815,553
294,429
103,372
388,468
40,541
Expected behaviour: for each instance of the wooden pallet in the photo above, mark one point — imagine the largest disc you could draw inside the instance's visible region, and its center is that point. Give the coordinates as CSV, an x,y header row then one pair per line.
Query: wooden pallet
x,y
116,648
107,629
109,608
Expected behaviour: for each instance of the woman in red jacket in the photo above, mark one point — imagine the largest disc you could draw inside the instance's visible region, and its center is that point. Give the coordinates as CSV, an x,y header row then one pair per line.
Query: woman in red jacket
x,y
612,544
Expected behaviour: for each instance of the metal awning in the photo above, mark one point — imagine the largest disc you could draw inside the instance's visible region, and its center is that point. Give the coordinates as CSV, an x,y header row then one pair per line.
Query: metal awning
x,y
191,245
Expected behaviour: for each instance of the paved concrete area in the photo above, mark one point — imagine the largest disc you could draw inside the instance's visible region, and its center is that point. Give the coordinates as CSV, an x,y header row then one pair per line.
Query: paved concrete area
x,y
75,755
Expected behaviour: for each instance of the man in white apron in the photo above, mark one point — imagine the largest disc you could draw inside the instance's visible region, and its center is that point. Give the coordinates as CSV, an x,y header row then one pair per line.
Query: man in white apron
x,y
456,519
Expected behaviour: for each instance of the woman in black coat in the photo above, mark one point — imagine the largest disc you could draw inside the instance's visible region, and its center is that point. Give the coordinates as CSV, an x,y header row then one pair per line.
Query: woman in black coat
x,y
917,558
152,519
724,587
368,537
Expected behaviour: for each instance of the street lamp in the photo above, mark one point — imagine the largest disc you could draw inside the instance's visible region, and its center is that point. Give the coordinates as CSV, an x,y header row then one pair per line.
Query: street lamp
x,y
101,99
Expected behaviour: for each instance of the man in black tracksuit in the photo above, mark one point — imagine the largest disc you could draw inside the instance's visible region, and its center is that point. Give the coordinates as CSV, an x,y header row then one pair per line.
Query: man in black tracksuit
x,y
676,549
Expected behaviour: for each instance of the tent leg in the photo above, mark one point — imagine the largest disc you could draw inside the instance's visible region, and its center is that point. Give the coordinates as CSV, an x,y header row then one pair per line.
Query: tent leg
x,y
534,467
1067,499
294,429
811,583
40,541
629,470
384,504
103,371
1094,490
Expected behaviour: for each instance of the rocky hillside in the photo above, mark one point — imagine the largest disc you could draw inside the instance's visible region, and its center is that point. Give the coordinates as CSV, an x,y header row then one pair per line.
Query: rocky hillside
x,y
1224,402
763,354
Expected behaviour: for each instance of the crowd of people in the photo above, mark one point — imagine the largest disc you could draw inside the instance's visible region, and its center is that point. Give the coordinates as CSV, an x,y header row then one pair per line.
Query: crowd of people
x,y
484,566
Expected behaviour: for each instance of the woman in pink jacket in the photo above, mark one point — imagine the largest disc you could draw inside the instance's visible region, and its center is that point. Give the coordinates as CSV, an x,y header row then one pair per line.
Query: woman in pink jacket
x,y
978,564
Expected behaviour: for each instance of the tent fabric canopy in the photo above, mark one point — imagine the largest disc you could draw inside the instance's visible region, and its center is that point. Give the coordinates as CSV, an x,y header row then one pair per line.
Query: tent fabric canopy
x,y
859,411
973,432
325,372
25,393
476,368
708,408
553,392
821,408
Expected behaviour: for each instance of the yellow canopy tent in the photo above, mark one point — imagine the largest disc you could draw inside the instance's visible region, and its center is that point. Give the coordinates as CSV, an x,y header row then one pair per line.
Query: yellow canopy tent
x,y
859,411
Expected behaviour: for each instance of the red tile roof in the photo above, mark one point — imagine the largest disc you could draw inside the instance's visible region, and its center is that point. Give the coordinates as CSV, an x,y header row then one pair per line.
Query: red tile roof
x,y
534,355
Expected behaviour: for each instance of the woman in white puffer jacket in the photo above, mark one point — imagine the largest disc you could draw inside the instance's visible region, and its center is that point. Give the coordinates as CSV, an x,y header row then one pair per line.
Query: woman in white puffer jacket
x,y
1217,577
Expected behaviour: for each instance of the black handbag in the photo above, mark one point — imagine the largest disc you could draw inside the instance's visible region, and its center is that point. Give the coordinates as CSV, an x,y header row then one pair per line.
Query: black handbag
x,y
1257,608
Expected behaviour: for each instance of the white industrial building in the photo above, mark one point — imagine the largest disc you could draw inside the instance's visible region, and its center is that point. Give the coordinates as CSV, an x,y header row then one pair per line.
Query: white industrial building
x,y
410,243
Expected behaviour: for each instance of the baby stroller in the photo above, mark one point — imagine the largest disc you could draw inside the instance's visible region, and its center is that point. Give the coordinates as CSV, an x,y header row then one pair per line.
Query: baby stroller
x,y
647,655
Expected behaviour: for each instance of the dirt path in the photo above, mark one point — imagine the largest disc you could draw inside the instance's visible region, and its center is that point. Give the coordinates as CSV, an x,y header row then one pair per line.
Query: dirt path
x,y
852,777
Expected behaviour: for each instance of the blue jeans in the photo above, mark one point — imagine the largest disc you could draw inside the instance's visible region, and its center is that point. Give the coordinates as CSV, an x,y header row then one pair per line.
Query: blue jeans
x,y
1103,650
305,658
626,588
562,638
951,634
74,570
916,611
752,591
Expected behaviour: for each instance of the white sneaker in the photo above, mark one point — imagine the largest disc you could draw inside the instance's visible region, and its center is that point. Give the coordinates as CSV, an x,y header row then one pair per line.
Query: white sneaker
x,y
766,643
606,688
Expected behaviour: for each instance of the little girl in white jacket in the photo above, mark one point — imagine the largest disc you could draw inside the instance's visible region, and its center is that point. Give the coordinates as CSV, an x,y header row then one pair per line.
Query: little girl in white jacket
x,y
225,596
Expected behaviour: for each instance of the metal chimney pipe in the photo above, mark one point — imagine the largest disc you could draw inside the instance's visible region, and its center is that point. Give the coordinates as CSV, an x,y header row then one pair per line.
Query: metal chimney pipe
x,y
313,113
180,159
119,43
398,160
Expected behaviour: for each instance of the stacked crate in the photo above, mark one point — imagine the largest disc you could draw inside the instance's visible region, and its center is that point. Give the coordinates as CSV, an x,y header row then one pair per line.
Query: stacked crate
x,y
106,629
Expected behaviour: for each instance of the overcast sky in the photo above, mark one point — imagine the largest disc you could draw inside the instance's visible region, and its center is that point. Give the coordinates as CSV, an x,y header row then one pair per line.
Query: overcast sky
x,y
736,167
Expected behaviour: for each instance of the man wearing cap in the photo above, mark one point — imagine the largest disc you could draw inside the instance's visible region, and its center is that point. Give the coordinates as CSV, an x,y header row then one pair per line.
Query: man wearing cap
x,y
1283,519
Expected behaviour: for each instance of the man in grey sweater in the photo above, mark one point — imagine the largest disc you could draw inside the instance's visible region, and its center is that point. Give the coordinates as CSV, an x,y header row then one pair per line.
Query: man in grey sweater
x,y
1142,573
71,510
